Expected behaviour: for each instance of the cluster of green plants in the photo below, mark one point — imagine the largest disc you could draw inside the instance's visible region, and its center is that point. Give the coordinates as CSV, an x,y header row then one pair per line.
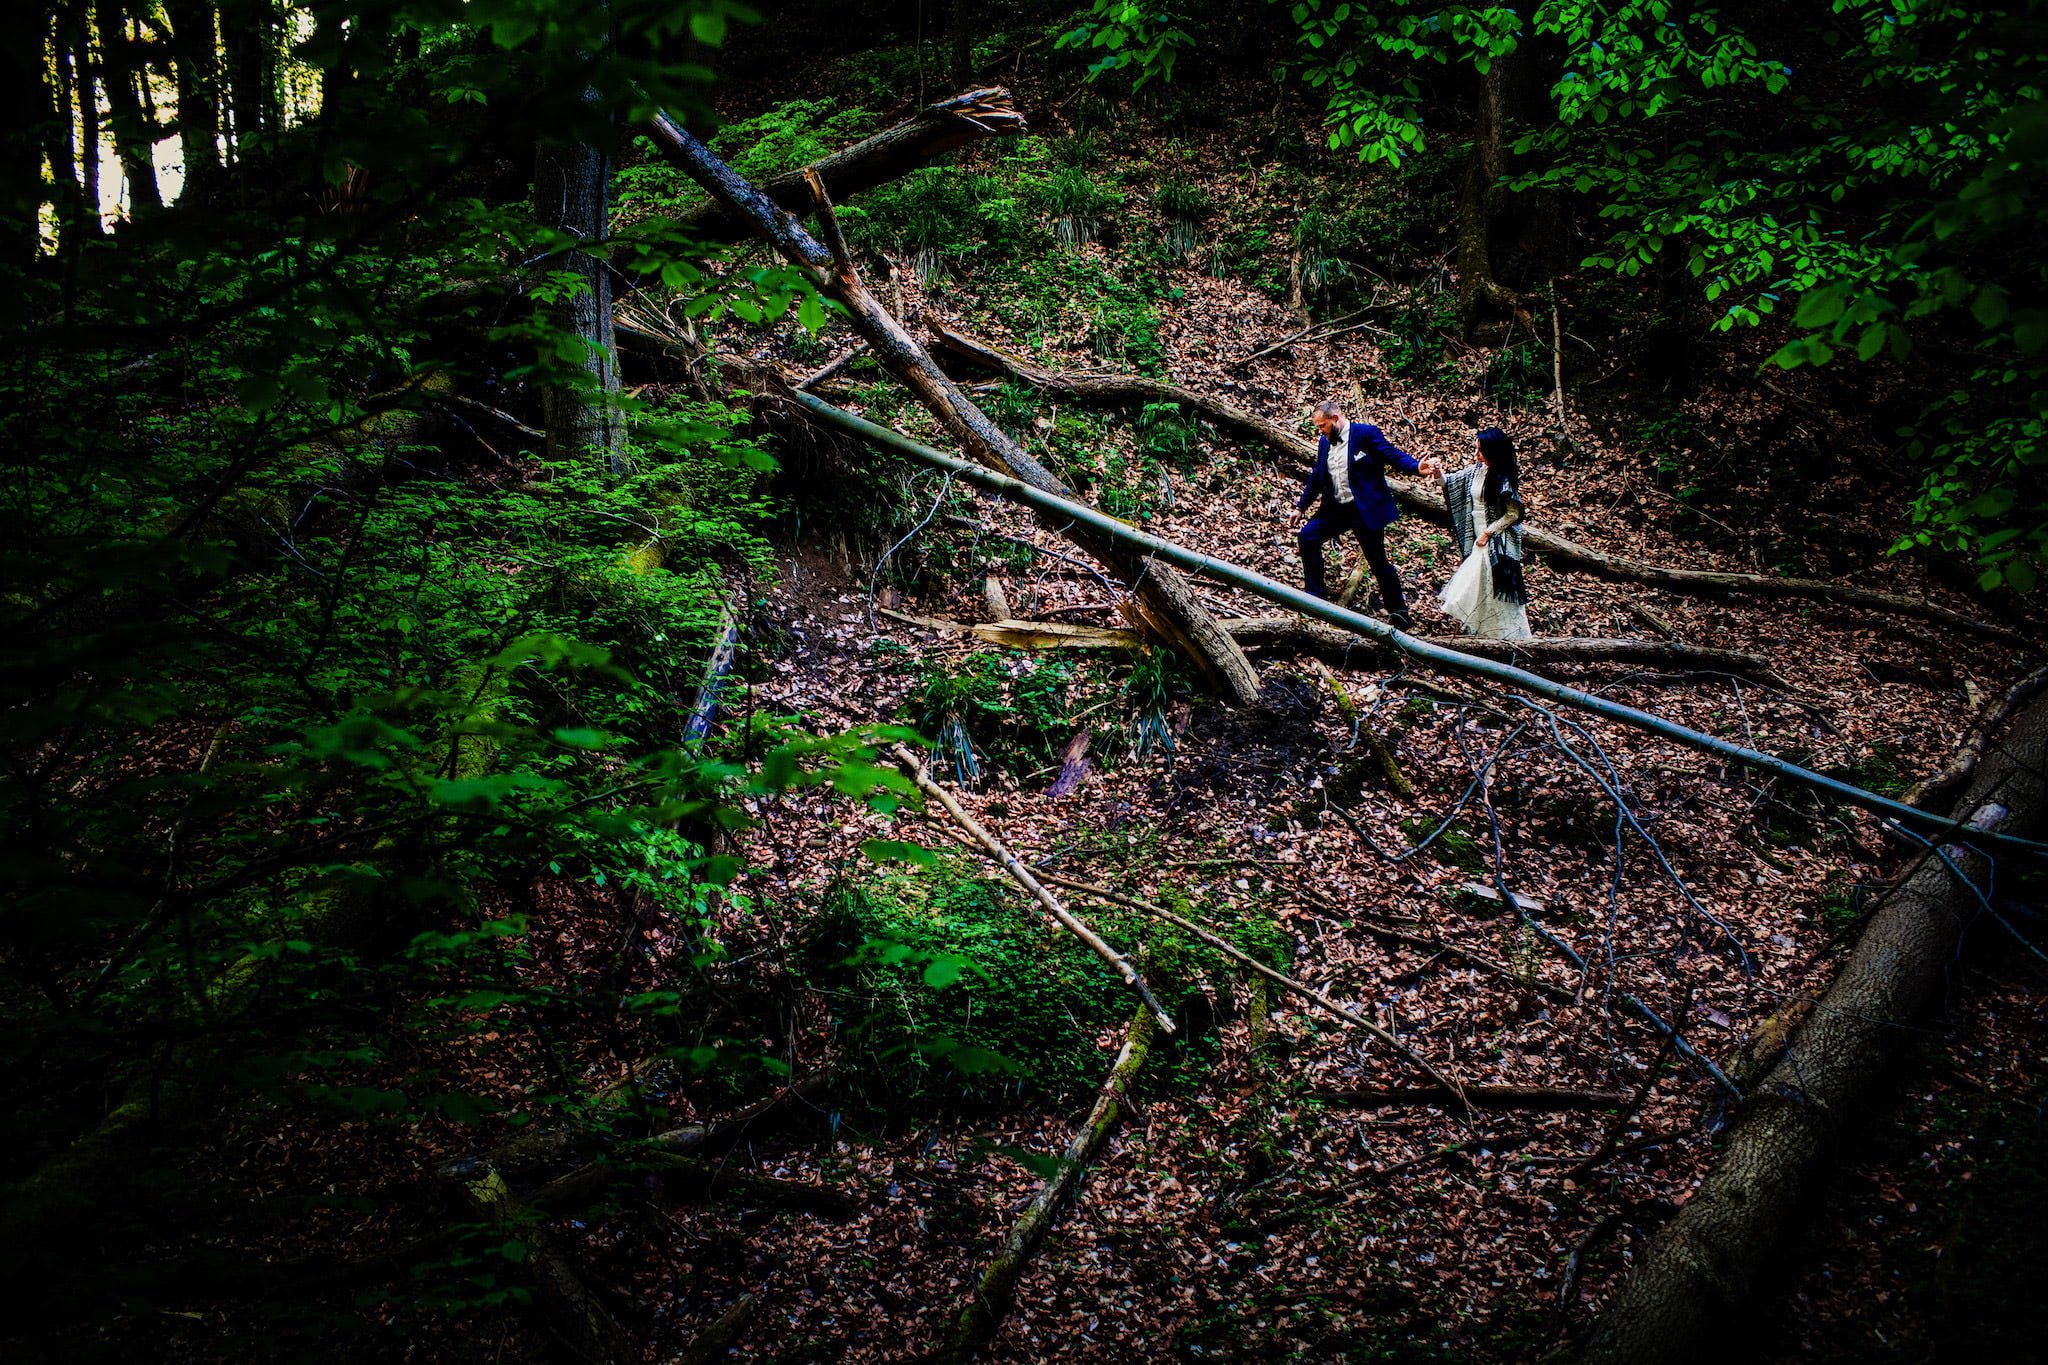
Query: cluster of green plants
x,y
1419,345
953,989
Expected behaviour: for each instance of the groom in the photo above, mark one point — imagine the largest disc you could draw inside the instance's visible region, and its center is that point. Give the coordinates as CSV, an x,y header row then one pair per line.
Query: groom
x,y
1351,478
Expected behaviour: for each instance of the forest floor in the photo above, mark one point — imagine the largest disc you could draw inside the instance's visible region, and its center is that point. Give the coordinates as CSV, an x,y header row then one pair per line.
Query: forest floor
x,y
1245,1208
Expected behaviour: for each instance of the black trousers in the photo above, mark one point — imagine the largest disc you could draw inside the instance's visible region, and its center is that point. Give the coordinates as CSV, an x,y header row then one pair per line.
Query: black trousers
x,y
1331,522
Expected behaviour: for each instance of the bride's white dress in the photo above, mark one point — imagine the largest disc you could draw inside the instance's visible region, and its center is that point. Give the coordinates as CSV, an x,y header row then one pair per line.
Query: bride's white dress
x,y
1481,612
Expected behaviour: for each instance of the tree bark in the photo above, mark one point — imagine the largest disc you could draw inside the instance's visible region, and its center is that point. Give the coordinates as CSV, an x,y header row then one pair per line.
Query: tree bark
x,y
27,110
1427,502
134,134
572,193
195,43
249,27
1479,293
978,1322
1712,1264
1167,603
75,192
923,138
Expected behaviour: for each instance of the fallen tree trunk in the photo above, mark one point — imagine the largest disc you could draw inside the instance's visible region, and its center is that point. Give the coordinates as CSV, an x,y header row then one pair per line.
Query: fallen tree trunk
x,y
1539,1097
922,138
1167,604
1943,786
1007,860
1337,646
978,1322
1288,633
1447,659
1427,502
1712,1263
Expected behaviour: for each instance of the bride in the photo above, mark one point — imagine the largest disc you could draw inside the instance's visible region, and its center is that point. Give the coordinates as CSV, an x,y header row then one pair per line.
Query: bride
x,y
1487,592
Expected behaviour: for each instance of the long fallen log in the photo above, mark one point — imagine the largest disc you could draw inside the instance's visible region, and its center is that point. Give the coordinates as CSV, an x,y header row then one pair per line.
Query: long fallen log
x,y
1444,1083
1450,660
1427,502
895,151
1943,786
978,1322
1538,1097
1709,1267
1291,634
1338,646
1163,597
1022,875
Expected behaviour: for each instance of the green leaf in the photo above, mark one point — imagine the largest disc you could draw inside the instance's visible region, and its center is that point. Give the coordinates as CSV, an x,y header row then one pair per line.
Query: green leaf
x,y
895,850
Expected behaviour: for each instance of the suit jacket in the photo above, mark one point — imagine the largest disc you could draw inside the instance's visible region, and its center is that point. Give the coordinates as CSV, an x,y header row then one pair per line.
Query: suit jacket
x,y
1369,455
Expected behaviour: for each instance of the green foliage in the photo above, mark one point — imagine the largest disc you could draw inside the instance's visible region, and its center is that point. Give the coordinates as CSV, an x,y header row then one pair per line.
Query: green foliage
x,y
1135,38
1418,345
1077,205
941,217
957,992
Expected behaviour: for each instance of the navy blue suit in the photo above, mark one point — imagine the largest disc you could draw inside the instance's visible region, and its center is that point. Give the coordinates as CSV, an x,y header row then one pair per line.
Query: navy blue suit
x,y
1369,512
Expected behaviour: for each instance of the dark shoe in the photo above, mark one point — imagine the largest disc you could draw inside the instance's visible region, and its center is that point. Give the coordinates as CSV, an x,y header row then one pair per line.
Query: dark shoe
x,y
1401,620
1372,601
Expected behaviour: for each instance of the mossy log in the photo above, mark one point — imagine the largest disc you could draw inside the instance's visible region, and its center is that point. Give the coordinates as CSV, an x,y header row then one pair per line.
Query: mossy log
x,y
979,1320
924,137
1709,1269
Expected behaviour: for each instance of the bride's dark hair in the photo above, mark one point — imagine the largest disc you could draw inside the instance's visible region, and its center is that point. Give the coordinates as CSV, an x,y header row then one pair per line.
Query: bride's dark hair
x,y
1502,468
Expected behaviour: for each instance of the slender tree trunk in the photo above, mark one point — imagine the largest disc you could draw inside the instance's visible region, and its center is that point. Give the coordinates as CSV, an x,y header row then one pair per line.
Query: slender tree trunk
x,y
25,112
134,134
194,47
572,193
246,27
960,31
88,97
76,215
1479,293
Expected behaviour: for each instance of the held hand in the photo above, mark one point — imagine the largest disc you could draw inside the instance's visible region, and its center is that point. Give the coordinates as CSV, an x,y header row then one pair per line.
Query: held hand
x,y
1429,468
1484,536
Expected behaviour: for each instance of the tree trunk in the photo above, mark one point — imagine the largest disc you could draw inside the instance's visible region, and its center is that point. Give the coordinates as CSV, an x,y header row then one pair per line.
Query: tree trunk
x,y
1705,1272
1479,294
248,27
77,213
1342,647
88,98
134,133
26,113
919,140
194,46
961,31
1168,604
572,193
